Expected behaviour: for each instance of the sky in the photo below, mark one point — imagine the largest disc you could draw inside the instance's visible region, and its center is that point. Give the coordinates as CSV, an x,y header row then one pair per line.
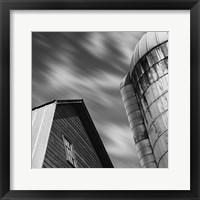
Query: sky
x,y
88,65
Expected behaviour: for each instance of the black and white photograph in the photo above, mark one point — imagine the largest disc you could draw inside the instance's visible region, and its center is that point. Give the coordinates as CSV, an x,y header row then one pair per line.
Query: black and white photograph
x,y
99,99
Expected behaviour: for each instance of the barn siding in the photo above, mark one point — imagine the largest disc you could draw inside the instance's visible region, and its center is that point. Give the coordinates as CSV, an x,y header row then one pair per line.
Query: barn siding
x,y
67,122
41,125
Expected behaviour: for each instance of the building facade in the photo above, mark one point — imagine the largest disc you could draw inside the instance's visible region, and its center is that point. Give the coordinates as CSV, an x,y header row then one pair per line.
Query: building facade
x,y
64,136
144,93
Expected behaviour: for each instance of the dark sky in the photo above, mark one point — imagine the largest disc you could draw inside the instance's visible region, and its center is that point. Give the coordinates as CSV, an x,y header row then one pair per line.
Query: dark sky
x,y
88,65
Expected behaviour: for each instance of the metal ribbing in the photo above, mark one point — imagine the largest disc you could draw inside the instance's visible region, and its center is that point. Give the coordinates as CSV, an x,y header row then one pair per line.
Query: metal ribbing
x,y
150,77
147,42
136,123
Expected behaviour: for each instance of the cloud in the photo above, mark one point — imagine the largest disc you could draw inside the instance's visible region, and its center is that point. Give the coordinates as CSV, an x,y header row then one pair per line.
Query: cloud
x,y
120,145
95,44
88,65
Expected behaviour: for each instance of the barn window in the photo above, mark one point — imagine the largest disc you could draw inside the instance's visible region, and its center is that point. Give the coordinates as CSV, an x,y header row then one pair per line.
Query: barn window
x,y
70,152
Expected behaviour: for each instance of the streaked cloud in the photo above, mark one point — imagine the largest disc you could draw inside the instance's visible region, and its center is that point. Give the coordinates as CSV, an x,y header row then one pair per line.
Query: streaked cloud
x,y
88,65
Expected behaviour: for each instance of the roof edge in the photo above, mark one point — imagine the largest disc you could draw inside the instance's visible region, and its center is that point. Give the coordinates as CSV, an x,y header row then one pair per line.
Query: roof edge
x,y
59,101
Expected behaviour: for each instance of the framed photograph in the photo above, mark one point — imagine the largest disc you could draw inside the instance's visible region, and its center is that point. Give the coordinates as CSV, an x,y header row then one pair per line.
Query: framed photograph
x,y
99,99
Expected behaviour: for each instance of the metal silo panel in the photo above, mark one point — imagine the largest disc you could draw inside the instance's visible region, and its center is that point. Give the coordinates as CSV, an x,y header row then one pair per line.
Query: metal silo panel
x,y
143,45
135,118
161,146
140,136
162,36
134,114
127,96
164,161
142,144
147,159
164,48
131,101
131,108
151,40
150,81
136,121
151,165
136,54
144,151
126,89
138,129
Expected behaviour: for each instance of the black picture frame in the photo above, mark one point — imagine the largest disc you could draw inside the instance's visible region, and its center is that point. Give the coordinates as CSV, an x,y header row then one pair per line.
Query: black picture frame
x,y
7,5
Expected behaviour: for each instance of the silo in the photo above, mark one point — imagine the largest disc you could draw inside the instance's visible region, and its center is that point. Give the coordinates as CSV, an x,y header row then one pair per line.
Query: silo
x,y
149,76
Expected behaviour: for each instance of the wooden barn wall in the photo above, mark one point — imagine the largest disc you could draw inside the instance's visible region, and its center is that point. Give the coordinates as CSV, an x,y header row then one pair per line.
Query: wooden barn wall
x,y
41,125
68,123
